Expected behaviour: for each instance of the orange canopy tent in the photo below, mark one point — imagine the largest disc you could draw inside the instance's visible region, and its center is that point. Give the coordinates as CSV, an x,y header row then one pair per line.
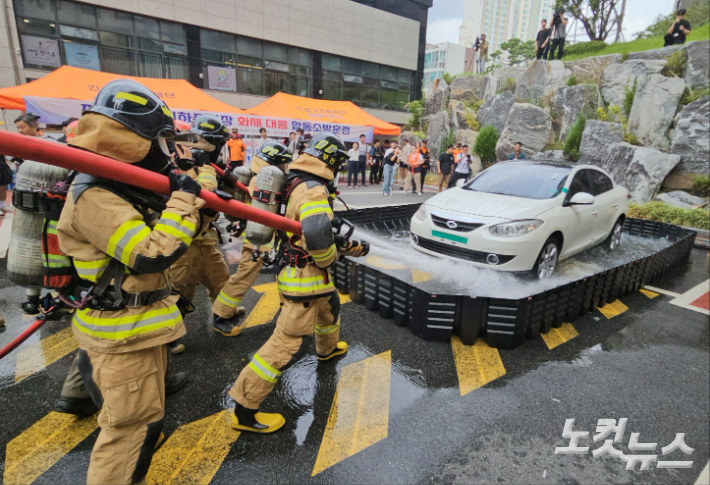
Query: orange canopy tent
x,y
282,105
82,84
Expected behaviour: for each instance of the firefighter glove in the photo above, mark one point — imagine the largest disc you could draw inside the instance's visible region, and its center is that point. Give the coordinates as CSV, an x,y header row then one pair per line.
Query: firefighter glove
x,y
357,249
183,183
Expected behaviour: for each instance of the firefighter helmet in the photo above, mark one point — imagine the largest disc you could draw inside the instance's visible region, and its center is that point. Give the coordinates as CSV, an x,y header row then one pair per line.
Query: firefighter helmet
x,y
274,153
211,129
136,107
329,149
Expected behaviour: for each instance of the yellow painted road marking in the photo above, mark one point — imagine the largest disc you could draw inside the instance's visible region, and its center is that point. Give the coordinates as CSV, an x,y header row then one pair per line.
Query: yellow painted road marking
x,y
476,364
383,263
38,448
558,336
344,299
194,452
36,357
359,416
648,293
610,310
419,276
266,308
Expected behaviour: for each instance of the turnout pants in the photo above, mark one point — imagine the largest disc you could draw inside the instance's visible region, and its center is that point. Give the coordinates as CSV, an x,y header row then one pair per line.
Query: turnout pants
x,y
237,285
295,328
130,390
201,263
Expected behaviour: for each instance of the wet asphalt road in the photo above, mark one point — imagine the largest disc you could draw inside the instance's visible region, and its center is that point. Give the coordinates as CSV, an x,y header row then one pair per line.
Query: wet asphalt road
x,y
649,364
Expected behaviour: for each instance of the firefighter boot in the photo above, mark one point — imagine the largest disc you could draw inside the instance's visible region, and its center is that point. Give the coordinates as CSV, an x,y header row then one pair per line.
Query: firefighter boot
x,y
174,382
340,348
229,327
81,407
245,419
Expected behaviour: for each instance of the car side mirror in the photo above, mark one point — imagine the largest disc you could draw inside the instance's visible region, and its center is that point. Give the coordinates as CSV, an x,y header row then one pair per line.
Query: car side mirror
x,y
581,198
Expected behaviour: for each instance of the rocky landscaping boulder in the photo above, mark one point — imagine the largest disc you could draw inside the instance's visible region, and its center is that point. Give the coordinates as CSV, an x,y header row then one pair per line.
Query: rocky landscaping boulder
x,y
654,107
467,137
528,125
640,169
681,199
437,101
469,88
697,69
591,69
411,137
597,139
656,54
691,141
541,79
616,77
570,102
497,78
437,131
550,155
458,112
495,111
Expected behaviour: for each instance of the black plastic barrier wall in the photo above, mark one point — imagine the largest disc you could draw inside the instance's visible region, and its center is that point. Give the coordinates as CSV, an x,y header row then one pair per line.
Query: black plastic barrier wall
x,y
503,323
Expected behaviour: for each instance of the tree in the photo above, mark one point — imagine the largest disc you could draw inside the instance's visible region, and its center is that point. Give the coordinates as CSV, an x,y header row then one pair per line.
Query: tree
x,y
518,51
598,17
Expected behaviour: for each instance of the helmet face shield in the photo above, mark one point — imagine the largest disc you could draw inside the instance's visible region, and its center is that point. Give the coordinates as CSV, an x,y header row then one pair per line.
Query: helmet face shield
x,y
163,145
135,106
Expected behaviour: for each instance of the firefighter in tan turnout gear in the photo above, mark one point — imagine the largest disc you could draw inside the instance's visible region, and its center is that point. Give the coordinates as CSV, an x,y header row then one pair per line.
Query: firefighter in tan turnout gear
x,y
226,307
312,304
203,262
121,250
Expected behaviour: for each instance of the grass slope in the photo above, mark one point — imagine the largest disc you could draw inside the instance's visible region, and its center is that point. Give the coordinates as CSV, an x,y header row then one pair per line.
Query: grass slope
x,y
641,45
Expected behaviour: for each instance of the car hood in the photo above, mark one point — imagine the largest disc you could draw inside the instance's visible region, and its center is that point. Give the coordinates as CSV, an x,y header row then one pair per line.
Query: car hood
x,y
490,205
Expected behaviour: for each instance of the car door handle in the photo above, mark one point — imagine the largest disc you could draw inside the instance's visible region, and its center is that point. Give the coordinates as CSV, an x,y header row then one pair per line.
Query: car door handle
x,y
595,213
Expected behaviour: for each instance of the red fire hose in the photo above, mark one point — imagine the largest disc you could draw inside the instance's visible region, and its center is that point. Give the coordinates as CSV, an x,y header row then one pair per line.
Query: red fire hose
x,y
39,150
239,185
22,337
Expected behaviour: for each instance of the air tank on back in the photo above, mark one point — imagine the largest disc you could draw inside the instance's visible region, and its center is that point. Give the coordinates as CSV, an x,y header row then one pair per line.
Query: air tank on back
x,y
24,257
244,176
271,180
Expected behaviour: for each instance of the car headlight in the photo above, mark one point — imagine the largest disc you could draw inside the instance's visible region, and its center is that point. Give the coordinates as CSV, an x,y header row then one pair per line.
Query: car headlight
x,y
421,213
516,228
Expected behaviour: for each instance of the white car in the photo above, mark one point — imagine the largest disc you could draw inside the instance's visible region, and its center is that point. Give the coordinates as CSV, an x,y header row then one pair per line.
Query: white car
x,y
523,216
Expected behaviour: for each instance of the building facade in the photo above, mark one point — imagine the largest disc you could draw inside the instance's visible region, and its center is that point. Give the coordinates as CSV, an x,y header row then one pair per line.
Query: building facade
x,y
370,52
471,25
445,58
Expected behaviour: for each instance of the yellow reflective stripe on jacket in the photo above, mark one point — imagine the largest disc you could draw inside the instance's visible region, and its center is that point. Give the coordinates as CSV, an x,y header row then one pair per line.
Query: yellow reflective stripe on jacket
x,y
91,270
327,329
312,208
174,225
265,371
52,227
290,283
228,300
56,261
128,325
325,256
207,178
121,244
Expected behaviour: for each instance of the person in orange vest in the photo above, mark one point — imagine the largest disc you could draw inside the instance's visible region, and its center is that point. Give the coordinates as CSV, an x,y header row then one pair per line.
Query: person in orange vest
x,y
237,148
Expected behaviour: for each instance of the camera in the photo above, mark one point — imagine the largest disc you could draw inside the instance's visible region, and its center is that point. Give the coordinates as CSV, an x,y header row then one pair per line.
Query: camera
x,y
557,16
477,44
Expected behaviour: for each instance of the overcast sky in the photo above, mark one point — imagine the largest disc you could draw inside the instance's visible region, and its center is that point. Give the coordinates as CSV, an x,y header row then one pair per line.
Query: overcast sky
x,y
445,17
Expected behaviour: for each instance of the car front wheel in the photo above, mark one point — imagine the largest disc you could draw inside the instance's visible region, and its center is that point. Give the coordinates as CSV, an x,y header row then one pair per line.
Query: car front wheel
x,y
547,259
614,239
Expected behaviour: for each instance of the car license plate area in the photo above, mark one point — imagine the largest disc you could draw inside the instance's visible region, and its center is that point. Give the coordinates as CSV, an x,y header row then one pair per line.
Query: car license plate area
x,y
449,237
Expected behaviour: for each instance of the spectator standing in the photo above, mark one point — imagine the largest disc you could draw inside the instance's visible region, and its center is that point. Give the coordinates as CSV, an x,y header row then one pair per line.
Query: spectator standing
x,y
65,129
353,165
559,32
463,167
5,180
376,160
542,40
383,149
262,139
517,153
678,30
364,159
390,162
414,170
483,53
426,165
406,151
446,162
236,148
298,138
291,143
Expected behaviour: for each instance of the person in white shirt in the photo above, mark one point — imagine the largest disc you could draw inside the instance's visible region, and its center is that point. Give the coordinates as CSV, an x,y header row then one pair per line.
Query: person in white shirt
x,y
262,139
353,165
463,167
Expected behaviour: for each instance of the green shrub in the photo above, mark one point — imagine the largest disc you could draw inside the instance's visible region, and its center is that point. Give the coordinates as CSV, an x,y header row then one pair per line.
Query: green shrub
x,y
415,108
572,81
508,85
676,64
585,47
470,119
574,139
701,186
691,95
554,145
662,212
631,139
629,95
485,146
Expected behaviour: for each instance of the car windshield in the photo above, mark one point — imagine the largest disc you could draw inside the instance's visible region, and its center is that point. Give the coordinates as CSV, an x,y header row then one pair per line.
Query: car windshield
x,y
527,180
